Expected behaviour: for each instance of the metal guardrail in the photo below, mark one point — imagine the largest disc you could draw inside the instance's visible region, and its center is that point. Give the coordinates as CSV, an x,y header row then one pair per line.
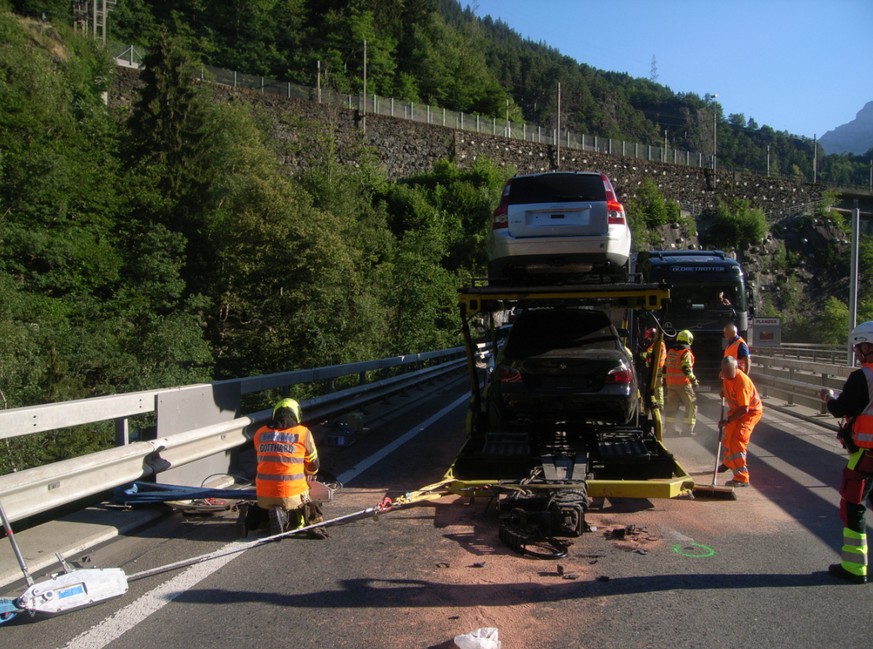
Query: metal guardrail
x,y
833,354
39,489
797,373
36,419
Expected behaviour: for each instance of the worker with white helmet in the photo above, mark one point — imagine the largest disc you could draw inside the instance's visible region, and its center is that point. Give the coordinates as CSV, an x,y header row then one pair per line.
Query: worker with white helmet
x,y
855,405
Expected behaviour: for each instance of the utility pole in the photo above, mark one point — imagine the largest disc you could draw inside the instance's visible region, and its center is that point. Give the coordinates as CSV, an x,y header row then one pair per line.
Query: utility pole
x,y
714,139
318,82
768,160
558,130
853,276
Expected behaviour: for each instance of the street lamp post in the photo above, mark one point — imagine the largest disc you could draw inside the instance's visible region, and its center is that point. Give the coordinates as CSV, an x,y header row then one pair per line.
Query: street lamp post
x,y
714,137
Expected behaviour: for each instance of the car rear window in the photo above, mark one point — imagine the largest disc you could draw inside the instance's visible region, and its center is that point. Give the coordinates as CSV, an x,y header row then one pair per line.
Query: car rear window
x,y
556,188
538,332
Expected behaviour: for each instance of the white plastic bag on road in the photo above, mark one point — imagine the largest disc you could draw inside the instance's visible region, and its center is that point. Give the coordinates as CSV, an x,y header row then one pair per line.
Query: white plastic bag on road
x,y
484,638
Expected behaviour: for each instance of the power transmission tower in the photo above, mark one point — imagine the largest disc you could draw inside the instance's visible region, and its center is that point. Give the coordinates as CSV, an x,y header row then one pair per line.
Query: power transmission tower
x,y
653,72
91,16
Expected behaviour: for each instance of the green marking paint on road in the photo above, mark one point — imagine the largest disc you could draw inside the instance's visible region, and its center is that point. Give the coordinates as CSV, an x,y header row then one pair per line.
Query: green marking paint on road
x,y
693,550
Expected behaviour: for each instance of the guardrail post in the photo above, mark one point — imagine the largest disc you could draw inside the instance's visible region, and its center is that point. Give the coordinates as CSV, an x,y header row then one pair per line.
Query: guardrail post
x,y
823,409
791,391
122,432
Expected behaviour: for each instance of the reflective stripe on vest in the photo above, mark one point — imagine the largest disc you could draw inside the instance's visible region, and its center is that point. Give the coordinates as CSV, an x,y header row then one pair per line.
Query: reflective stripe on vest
x,y
755,399
281,457
676,360
862,428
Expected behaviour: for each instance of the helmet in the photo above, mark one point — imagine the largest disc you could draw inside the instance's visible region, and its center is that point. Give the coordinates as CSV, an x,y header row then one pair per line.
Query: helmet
x,y
685,337
291,404
650,333
863,333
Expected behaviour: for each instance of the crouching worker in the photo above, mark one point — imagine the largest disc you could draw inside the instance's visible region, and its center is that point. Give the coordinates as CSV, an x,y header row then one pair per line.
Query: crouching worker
x,y
287,460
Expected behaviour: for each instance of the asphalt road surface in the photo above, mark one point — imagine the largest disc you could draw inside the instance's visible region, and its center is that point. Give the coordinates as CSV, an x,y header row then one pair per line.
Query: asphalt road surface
x,y
660,573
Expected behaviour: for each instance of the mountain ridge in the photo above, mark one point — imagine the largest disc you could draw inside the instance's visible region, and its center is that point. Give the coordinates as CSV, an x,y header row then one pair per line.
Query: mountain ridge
x,y
855,137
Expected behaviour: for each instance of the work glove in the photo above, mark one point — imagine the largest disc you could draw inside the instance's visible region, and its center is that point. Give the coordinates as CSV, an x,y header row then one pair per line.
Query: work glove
x,y
695,383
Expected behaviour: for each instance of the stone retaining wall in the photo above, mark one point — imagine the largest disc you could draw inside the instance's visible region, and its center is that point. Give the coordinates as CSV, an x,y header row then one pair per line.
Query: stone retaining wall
x,y
407,148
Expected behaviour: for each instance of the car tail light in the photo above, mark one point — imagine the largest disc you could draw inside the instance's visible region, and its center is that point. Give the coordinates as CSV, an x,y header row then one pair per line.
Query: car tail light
x,y
620,376
500,218
615,213
508,375
614,210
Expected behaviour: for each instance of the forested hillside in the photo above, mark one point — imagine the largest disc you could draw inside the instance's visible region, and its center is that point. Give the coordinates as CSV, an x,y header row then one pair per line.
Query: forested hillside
x,y
439,52
165,243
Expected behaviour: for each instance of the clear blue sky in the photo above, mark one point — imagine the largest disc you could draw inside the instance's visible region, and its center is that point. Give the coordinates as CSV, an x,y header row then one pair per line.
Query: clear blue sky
x,y
802,66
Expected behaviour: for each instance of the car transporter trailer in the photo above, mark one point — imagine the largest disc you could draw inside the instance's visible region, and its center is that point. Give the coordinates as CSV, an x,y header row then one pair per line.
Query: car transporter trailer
x,y
544,479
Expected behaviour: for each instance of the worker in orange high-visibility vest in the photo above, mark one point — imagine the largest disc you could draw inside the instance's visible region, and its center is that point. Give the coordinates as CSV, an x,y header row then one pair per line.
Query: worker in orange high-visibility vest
x,y
743,412
648,356
680,382
856,405
287,459
737,347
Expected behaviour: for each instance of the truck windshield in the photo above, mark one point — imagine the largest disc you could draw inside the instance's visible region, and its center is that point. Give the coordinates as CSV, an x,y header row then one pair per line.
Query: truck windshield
x,y
709,298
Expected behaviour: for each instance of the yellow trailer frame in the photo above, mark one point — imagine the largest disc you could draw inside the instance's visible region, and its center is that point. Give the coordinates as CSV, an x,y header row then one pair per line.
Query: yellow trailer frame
x,y
639,297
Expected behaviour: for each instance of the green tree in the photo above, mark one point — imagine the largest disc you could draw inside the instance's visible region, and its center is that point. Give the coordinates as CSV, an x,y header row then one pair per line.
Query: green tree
x,y
736,227
647,211
834,322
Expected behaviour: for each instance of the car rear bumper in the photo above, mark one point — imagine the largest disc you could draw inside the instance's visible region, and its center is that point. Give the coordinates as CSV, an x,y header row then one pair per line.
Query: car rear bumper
x,y
595,407
553,253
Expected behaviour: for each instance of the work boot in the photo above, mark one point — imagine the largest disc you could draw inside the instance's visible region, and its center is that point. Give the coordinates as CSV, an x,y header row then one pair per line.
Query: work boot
x,y
736,483
837,570
278,520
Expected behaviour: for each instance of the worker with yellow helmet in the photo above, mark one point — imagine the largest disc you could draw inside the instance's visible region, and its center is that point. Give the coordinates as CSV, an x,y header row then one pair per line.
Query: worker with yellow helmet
x,y
680,382
287,459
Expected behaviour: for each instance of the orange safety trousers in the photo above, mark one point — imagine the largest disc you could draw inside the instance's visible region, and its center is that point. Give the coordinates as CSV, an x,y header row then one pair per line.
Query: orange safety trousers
x,y
736,441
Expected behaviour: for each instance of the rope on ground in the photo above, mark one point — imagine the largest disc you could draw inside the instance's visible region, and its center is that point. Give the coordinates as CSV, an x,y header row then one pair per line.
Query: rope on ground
x,y
429,492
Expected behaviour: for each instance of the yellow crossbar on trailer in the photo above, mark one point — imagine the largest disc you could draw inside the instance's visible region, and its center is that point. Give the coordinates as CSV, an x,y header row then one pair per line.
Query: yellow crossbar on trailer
x,y
648,297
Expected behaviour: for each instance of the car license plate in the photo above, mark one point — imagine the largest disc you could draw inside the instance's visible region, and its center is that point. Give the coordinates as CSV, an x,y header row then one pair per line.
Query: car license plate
x,y
562,218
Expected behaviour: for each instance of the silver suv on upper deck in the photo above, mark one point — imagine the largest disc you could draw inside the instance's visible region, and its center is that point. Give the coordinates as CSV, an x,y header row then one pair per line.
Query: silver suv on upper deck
x,y
567,223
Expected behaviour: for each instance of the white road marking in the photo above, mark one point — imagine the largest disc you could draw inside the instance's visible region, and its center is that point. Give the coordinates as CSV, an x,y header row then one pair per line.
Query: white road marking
x,y
128,617
362,466
124,620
